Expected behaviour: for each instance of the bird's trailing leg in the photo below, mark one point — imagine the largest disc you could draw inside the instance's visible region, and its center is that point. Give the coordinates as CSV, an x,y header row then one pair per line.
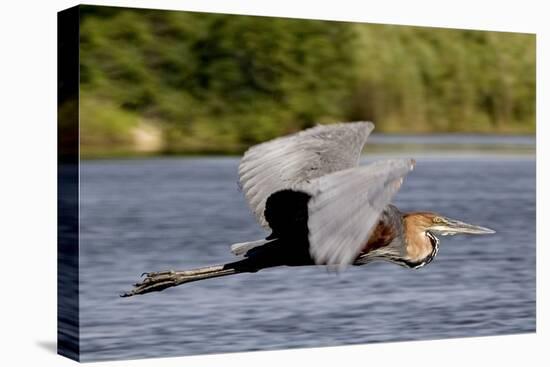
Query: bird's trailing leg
x,y
158,281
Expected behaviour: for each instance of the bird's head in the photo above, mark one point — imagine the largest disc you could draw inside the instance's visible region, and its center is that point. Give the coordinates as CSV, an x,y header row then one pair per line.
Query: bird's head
x,y
439,225
420,233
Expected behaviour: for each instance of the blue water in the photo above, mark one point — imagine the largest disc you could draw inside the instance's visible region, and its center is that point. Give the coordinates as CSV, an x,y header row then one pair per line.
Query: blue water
x,y
157,214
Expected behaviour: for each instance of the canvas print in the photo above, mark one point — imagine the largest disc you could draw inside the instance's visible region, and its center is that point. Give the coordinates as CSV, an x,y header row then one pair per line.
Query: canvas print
x,y
232,183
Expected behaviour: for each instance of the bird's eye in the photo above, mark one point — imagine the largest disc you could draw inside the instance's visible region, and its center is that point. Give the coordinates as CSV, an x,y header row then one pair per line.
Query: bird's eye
x,y
438,220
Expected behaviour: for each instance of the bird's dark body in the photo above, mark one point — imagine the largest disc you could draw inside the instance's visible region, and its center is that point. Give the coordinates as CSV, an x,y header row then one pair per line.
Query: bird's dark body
x,y
280,252
287,214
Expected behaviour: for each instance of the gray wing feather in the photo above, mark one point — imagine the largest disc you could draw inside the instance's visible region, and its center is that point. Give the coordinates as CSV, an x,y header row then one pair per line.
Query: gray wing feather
x,y
290,161
345,207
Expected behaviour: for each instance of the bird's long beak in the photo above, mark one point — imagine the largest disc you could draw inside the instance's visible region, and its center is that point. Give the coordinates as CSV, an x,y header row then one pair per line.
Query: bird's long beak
x,y
449,227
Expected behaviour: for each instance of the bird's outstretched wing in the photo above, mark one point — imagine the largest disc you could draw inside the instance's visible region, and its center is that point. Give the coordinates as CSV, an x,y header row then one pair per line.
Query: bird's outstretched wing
x,y
345,206
291,161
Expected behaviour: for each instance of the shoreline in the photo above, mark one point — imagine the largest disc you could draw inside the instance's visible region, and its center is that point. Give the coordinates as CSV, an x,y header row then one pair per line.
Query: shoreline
x,y
445,144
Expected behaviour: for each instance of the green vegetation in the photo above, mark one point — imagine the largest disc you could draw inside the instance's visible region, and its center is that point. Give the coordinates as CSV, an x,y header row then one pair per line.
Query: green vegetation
x,y
180,82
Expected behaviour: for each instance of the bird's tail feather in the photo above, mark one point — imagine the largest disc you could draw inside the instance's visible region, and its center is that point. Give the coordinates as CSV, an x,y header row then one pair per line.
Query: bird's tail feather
x,y
243,247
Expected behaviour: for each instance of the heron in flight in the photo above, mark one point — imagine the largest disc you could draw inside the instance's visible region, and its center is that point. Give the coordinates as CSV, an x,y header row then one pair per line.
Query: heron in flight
x,y
322,208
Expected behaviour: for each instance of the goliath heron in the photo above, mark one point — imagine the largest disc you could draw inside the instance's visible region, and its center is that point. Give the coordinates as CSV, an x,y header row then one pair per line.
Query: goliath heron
x,y
324,209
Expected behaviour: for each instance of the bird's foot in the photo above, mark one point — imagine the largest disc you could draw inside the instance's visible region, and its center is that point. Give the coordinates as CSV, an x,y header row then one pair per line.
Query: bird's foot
x,y
154,282
159,280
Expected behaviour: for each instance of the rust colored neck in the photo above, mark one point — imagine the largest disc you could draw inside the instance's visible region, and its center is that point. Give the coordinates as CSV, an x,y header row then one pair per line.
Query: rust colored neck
x,y
382,236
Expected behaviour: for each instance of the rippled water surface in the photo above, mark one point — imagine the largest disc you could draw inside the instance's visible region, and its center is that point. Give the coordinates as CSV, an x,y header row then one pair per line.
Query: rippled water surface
x,y
157,214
